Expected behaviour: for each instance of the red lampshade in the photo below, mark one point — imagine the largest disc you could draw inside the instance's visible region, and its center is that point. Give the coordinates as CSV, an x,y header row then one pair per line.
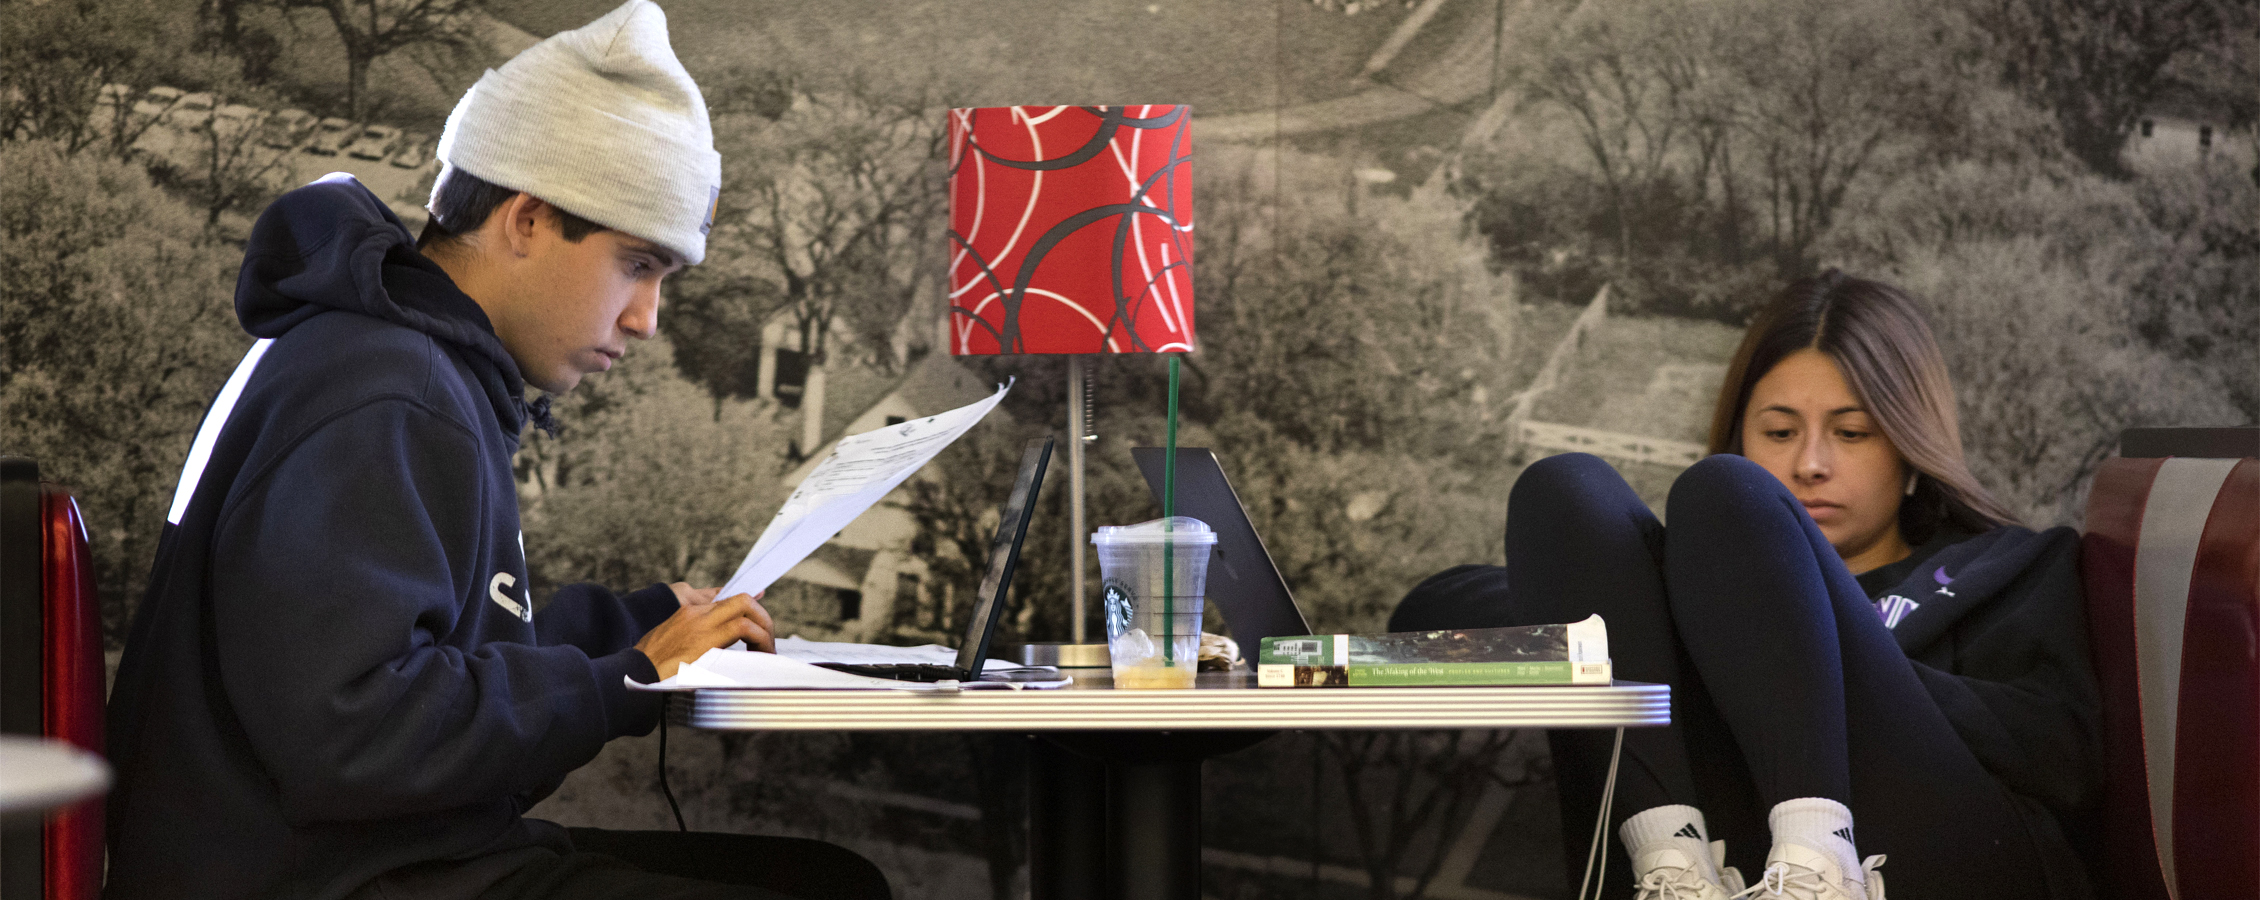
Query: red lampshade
x,y
1071,229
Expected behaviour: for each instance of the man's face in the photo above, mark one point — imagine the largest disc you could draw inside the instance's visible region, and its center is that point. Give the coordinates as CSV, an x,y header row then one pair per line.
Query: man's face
x,y
576,303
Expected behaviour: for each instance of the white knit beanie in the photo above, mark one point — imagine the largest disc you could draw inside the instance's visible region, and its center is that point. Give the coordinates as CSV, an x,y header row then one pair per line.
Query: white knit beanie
x,y
603,122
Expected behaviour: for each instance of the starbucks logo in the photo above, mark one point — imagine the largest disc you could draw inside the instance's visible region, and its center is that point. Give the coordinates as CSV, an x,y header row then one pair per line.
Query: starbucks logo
x,y
1118,607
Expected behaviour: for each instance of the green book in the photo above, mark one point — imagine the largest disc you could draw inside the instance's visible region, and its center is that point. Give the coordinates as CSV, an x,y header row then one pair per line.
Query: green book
x,y
1573,653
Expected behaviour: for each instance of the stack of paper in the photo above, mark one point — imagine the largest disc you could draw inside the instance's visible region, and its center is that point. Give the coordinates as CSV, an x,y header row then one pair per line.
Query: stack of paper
x,y
791,667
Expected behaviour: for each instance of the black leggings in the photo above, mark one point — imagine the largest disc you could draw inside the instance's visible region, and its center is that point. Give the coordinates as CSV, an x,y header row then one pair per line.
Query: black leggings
x,y
1785,683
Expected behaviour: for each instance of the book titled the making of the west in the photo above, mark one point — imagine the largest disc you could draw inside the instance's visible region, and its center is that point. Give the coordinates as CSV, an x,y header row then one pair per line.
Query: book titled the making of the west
x,y
1575,653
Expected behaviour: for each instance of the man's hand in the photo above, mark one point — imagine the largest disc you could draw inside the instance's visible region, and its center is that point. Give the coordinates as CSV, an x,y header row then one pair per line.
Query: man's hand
x,y
690,596
698,627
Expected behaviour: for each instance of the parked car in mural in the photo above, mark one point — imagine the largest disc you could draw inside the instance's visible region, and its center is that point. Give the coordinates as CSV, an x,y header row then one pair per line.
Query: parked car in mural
x,y
107,102
375,142
191,112
330,136
157,101
235,120
287,129
415,150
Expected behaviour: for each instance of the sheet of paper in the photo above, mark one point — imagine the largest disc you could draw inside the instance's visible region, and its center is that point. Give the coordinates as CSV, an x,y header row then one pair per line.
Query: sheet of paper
x,y
805,650
862,469
725,668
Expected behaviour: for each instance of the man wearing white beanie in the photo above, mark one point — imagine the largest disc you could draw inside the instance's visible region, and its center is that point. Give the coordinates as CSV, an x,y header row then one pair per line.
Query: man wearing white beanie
x,y
338,685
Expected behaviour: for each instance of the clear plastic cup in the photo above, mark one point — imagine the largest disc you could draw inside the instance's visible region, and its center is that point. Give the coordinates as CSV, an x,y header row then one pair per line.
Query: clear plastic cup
x,y
1154,578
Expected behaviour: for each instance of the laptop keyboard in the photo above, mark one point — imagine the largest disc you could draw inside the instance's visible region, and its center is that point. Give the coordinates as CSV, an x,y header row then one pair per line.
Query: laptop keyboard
x,y
926,673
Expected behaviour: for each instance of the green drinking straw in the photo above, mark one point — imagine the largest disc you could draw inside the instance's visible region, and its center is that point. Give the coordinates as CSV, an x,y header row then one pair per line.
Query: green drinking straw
x,y
1168,525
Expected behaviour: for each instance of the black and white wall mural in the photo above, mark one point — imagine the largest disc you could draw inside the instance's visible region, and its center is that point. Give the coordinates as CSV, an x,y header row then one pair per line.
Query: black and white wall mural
x,y
1437,239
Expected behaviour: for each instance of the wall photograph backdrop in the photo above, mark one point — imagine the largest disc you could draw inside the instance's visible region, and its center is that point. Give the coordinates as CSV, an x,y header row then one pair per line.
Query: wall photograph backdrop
x,y
1438,239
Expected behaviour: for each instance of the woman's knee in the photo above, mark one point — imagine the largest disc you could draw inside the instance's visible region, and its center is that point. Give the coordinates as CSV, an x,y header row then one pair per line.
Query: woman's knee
x,y
1562,477
1573,494
1725,485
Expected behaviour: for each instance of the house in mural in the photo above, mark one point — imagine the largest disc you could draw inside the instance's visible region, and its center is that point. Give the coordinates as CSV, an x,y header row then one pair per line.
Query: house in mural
x,y
1631,389
1635,390
848,589
2180,131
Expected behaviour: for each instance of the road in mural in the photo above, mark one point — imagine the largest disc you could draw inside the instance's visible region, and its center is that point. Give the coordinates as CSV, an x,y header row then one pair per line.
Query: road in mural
x,y
1438,239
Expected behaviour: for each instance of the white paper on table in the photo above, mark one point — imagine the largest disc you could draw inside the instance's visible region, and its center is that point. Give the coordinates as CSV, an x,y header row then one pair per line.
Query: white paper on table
x,y
725,668
808,651
862,469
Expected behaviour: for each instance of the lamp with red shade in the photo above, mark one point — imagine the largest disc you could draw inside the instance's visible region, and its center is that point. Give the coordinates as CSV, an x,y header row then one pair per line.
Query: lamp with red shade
x,y
1071,231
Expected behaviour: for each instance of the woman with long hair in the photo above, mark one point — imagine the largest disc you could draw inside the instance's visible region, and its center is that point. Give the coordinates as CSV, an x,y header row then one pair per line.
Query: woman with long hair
x,y
1848,622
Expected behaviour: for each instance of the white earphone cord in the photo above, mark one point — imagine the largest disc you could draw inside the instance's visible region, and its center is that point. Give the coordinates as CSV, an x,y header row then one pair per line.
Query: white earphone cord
x,y
1601,825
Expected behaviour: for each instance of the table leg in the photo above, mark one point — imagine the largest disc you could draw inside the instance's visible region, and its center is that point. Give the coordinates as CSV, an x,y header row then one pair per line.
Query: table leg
x,y
1067,823
1140,793
1154,828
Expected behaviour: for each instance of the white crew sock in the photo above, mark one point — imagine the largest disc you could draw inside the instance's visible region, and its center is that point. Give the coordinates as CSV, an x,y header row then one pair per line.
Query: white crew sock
x,y
1678,827
1821,824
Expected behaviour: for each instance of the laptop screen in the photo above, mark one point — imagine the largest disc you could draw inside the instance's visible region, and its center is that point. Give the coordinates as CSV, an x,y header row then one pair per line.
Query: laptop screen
x,y
1004,554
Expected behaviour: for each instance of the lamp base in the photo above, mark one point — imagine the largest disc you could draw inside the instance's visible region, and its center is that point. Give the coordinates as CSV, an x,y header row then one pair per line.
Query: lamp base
x,y
1065,656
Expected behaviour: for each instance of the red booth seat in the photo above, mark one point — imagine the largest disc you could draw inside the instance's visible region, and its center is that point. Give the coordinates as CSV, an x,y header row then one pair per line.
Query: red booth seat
x,y
2171,563
51,678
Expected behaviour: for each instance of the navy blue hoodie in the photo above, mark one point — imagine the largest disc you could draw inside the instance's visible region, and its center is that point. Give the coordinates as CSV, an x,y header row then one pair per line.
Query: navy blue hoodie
x,y
336,670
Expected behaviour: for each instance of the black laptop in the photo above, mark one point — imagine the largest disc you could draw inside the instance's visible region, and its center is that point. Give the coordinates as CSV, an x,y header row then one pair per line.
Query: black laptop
x,y
1242,580
988,604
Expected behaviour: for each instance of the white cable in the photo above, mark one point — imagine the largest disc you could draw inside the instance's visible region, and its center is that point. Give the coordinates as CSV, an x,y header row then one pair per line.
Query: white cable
x,y
1601,826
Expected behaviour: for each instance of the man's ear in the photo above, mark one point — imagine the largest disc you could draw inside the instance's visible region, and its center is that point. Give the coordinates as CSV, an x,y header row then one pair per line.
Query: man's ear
x,y
522,217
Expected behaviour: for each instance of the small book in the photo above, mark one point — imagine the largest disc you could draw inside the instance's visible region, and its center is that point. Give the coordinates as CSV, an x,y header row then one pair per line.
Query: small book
x,y
1574,653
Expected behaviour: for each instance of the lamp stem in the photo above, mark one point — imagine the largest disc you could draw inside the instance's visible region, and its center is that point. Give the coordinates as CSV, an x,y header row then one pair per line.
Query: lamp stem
x,y
1079,429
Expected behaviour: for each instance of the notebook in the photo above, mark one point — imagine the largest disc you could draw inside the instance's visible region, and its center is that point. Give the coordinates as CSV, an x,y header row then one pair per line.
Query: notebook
x,y
988,603
1242,580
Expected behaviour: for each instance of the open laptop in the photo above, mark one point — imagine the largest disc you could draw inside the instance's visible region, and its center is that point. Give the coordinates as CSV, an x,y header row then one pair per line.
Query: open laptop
x,y
1242,580
988,603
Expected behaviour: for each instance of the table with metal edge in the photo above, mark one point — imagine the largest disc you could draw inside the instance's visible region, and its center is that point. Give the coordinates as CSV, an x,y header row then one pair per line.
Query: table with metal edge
x,y
1115,778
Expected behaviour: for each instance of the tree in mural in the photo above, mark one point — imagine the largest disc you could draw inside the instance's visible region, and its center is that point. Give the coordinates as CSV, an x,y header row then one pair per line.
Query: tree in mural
x,y
2098,65
116,327
2099,285
648,479
1722,139
56,58
1824,87
837,202
1601,66
225,168
367,29
1381,329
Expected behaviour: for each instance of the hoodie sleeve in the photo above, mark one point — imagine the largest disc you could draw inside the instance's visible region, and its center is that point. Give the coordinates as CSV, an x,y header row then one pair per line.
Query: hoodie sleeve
x,y
599,622
2018,684
339,573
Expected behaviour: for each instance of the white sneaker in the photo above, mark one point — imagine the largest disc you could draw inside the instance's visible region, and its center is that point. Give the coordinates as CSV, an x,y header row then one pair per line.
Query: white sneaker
x,y
1667,873
1729,876
1802,873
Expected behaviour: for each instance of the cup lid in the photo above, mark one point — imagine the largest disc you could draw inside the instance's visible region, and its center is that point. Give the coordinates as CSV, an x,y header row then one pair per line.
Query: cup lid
x,y
1183,530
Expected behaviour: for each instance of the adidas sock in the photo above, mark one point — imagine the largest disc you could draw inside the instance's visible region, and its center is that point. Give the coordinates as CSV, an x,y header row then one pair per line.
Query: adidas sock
x,y
1679,827
1822,824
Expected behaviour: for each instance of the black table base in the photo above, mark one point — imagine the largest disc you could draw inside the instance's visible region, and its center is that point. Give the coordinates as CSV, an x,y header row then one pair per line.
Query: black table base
x,y
1116,815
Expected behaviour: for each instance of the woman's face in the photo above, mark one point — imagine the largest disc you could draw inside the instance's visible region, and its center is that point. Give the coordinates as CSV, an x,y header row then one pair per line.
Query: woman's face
x,y
1806,426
